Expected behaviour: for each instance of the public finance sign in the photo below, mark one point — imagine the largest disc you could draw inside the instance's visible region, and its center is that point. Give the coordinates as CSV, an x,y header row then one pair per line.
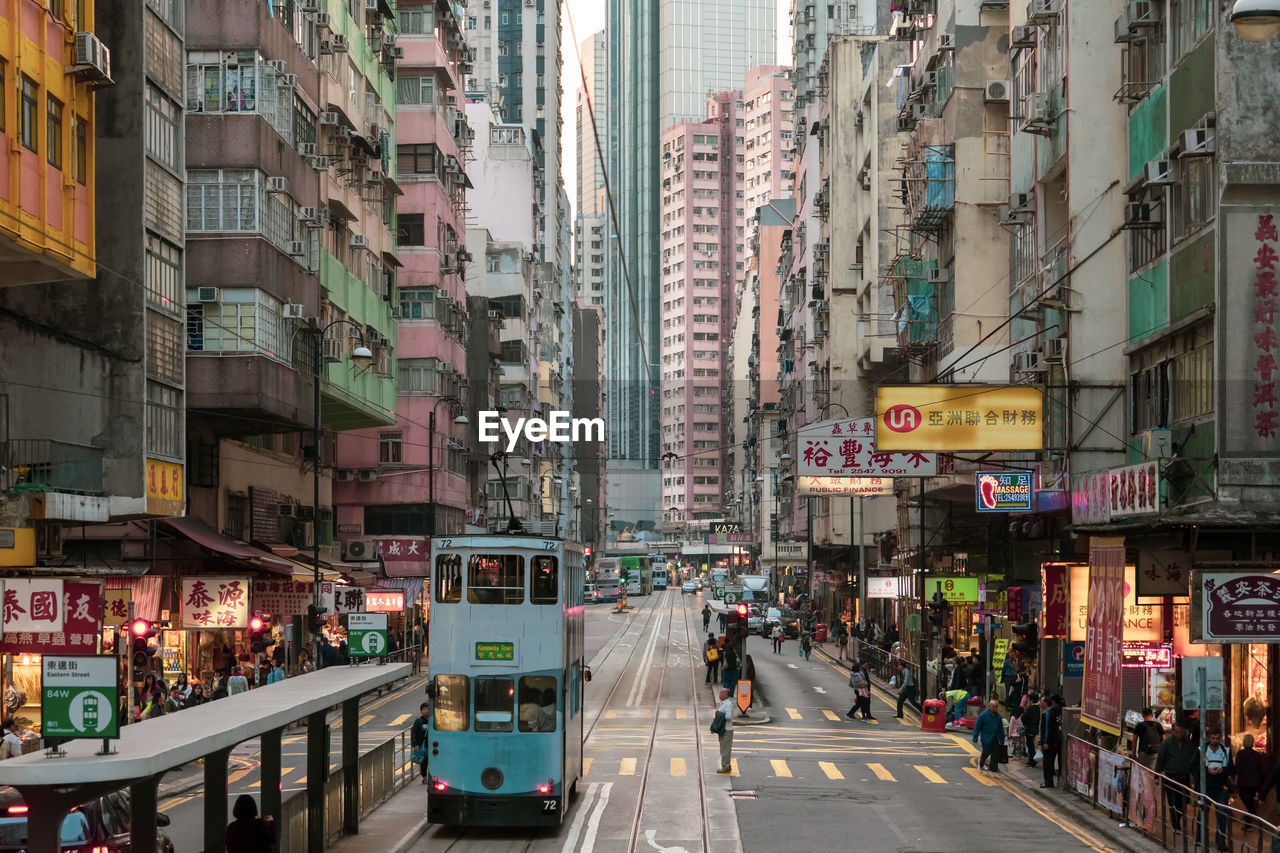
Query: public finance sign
x,y
1240,607
853,487
1005,491
367,634
954,590
846,449
79,696
959,417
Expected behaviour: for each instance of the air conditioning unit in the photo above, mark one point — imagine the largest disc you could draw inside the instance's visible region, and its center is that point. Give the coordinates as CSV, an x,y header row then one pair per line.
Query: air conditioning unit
x,y
319,163
1020,202
284,510
1157,443
388,40
344,475
304,533
930,79
495,315
368,475
330,352
308,149
1042,11
310,214
371,5
286,81
339,43
1160,172
1037,113
939,275
276,64
277,185
329,118
1028,362
359,241
297,248
294,311
1197,142
997,92
322,20
1137,212
375,176
92,57
443,367
866,180
304,512
1054,350
310,7
1057,296
1022,37
1006,216
946,41
208,294
359,550
395,53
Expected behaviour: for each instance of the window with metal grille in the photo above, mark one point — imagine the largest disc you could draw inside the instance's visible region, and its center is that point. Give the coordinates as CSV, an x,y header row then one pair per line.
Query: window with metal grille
x,y
165,432
391,447
165,352
27,114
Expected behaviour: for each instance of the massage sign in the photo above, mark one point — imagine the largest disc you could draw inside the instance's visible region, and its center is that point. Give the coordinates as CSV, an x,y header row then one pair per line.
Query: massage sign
x,y
1240,608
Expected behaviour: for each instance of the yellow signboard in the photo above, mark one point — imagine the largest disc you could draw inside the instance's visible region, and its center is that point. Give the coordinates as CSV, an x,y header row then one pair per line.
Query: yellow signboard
x,y
116,611
925,418
166,487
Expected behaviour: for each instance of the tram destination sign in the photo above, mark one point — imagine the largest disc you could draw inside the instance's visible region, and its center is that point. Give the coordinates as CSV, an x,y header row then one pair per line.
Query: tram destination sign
x,y
79,696
367,634
495,651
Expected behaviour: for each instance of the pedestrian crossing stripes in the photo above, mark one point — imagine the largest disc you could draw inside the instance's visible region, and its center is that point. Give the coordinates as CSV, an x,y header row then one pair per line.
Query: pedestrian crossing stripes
x,y
830,769
798,769
930,774
881,773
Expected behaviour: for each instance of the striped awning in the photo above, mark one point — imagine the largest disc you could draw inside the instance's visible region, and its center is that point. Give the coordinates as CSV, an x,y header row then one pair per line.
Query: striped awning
x,y
412,586
143,591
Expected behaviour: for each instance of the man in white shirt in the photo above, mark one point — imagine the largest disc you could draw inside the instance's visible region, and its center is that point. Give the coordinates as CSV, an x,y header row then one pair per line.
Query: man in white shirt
x,y
726,707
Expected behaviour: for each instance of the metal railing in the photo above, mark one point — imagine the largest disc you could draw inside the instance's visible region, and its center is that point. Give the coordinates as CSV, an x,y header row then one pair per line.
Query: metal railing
x,y
880,662
1166,811
381,772
54,465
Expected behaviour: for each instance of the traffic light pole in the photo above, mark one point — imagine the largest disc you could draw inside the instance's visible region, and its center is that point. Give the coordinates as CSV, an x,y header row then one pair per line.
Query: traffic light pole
x,y
925,629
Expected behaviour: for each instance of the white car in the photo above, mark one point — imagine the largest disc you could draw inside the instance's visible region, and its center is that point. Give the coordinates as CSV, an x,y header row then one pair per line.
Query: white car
x,y
689,586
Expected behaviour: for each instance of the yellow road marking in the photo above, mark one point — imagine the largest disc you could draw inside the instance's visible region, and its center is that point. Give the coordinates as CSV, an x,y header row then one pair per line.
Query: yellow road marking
x,y
611,715
1082,837
586,765
677,767
830,715
682,713
366,719
238,775
628,767
780,768
831,770
733,767
967,744
881,772
401,720
928,773
793,714
981,777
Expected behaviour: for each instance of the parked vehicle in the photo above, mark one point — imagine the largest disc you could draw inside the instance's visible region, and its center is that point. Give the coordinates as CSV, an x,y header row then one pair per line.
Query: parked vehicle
x,y
102,824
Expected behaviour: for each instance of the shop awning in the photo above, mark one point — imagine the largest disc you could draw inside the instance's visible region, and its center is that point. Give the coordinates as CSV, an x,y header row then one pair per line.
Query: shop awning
x,y
208,538
280,549
144,592
360,578
305,572
412,587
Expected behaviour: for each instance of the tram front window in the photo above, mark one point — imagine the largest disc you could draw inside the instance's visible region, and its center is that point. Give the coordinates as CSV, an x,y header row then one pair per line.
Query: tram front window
x,y
495,579
451,706
546,581
495,703
538,703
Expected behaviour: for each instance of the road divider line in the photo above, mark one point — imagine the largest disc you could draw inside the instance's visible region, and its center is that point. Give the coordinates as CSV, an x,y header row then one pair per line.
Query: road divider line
x,y
733,767
401,720
593,825
1083,837
682,713
882,773
793,714
586,766
981,777
780,768
831,770
628,767
930,774
366,719
583,810
677,767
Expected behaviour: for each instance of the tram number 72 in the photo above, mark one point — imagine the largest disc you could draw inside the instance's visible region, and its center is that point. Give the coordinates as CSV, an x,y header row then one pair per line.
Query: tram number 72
x,y
548,545
549,805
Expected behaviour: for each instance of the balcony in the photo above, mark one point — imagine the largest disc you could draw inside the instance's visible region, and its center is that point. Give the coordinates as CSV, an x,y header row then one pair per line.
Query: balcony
x,y
45,465
931,179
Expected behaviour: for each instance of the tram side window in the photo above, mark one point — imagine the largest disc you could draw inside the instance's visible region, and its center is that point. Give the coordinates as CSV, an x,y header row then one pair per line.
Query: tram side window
x,y
495,579
452,705
448,579
538,702
575,690
545,581
494,705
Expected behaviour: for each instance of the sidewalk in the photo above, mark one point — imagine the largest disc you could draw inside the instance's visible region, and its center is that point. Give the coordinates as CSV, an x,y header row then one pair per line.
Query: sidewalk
x,y
393,827
1024,782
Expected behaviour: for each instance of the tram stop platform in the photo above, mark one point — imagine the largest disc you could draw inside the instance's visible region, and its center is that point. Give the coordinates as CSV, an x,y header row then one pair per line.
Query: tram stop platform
x,y
51,786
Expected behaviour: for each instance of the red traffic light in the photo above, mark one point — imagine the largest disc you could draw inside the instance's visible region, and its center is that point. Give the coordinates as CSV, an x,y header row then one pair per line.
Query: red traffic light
x,y
256,623
140,627
742,610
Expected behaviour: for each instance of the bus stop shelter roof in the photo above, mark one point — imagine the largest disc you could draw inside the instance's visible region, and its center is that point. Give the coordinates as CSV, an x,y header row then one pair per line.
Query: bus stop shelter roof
x,y
150,748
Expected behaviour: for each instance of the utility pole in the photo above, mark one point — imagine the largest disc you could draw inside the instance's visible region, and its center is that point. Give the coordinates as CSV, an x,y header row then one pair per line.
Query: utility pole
x,y
924,605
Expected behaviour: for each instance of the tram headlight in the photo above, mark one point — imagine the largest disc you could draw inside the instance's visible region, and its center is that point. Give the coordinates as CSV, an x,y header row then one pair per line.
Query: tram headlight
x,y
438,785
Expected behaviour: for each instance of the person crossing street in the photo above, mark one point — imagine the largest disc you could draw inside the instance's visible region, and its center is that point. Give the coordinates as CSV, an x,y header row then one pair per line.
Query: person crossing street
x,y
989,728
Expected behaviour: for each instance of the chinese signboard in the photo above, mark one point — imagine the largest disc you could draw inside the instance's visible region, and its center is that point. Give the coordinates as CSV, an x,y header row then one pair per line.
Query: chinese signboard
x,y
367,634
348,599
285,598
1248,346
384,601
736,537
846,449
998,654
954,589
403,556
79,605
1213,684
32,605
1135,490
117,607
1053,614
807,486
1013,604
1144,655
1089,498
1004,491
496,651
79,696
1163,572
886,588
165,488
215,602
959,417
1100,706
1239,607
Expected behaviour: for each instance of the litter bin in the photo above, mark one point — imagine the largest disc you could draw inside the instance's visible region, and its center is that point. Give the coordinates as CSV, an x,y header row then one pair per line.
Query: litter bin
x,y
820,633
934,716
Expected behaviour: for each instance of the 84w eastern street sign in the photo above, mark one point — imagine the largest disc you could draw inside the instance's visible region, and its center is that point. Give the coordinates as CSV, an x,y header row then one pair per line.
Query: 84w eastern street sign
x,y
79,696
367,634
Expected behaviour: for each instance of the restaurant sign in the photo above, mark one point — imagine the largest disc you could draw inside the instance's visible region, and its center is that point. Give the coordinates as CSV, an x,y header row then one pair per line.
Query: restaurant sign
x,y
1144,655
1240,607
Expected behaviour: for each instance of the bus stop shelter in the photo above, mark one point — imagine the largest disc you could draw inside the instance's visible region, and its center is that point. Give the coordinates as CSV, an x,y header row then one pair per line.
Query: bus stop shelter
x,y
51,786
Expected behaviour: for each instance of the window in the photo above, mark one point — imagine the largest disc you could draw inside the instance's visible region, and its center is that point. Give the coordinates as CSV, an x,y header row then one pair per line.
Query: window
x,y
1149,389
416,375
544,581
417,160
417,21
538,703
391,447
1192,200
162,128
27,114
448,579
494,708
53,132
411,230
81,143
165,432
165,352
416,90
495,579
238,82
451,711
4,92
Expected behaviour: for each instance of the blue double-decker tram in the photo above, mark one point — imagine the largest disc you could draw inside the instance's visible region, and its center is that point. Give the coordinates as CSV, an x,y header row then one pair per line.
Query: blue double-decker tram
x,y
505,735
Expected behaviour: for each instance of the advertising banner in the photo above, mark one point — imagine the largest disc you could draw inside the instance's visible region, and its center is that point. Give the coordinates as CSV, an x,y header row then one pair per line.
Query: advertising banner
x,y
853,487
1005,491
384,601
1073,659
1145,655
32,606
1239,607
1135,490
1142,798
1111,781
1142,622
948,418
1053,613
954,590
79,604
846,448
1090,500
887,588
1100,705
215,602
1081,767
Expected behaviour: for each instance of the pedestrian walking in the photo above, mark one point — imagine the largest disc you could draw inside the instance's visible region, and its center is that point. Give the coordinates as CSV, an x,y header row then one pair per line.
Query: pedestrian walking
x,y
806,646
1050,736
842,638
722,725
1176,759
1218,770
723,624
778,634
860,681
989,728
1031,725
730,668
10,744
907,690
1251,770
1146,738
706,616
711,656
248,833
418,739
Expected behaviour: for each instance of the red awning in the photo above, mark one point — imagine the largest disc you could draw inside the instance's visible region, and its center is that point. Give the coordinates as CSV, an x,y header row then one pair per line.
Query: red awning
x,y
206,537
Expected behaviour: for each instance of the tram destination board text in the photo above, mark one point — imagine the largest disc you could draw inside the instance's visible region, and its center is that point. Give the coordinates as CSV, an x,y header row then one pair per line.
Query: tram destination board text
x,y
495,651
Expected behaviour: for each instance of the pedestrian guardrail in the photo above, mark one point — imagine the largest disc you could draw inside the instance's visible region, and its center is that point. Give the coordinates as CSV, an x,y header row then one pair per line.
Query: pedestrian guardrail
x,y
382,771
1164,810
881,663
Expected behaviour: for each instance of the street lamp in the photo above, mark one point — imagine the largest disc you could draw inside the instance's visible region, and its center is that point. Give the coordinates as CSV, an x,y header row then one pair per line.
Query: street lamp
x,y
431,453
1256,20
361,357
